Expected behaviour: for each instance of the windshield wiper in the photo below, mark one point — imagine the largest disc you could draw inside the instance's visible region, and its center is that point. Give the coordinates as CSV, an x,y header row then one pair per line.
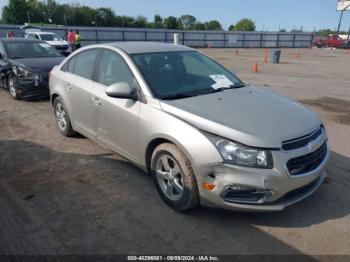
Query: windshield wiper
x,y
176,96
198,93
217,90
230,87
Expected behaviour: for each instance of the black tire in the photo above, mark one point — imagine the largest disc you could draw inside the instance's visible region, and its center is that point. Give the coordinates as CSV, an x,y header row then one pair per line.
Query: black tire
x,y
190,196
12,86
59,109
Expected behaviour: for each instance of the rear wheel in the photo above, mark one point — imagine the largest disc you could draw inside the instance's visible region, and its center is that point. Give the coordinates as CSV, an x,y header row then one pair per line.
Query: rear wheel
x,y
62,118
13,87
174,178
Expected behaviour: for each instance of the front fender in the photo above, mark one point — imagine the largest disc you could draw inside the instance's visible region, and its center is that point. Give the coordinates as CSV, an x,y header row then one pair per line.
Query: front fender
x,y
155,124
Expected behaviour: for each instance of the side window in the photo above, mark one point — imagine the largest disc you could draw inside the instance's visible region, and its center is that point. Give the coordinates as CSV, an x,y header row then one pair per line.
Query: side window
x,y
69,65
84,63
113,69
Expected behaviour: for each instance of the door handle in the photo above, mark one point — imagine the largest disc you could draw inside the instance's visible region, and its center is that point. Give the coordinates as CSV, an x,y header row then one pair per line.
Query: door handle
x,y
97,101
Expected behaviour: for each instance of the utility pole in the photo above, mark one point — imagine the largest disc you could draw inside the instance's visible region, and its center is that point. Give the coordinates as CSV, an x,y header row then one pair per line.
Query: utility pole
x,y
28,17
341,18
96,28
65,19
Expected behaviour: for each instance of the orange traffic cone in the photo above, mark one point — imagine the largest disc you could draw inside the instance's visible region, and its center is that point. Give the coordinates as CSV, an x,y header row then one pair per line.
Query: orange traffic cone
x,y
236,51
297,55
255,68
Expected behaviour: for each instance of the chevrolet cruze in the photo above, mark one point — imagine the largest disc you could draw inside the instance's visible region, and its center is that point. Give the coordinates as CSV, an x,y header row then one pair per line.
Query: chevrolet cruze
x,y
205,137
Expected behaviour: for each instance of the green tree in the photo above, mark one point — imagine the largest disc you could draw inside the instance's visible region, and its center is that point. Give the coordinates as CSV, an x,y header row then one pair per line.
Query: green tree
x,y
188,21
171,22
213,25
158,21
15,12
198,26
140,22
244,24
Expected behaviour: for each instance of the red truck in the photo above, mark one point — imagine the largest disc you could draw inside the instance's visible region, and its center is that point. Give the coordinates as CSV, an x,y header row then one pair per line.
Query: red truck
x,y
332,41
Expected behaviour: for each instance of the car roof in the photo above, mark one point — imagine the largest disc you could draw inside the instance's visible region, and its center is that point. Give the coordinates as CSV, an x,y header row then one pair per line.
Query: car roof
x,y
148,47
19,40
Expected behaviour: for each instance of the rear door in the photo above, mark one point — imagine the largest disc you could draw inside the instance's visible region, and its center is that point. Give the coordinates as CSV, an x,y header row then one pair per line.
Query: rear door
x,y
115,119
78,87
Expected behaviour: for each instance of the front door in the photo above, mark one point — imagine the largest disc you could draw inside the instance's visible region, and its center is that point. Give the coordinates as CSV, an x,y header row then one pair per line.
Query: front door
x,y
115,120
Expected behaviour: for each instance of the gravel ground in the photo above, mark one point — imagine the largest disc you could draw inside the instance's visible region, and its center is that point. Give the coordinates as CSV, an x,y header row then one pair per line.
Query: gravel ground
x,y
70,196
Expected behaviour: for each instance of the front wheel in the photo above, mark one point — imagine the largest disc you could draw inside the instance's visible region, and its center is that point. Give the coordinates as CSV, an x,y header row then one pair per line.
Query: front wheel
x,y
13,87
62,118
174,178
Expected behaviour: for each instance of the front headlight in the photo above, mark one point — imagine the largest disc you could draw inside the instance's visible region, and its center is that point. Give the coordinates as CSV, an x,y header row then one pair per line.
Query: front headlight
x,y
21,71
241,155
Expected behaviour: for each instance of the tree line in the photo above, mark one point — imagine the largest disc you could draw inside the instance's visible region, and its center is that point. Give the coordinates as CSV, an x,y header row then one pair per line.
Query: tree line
x,y
51,12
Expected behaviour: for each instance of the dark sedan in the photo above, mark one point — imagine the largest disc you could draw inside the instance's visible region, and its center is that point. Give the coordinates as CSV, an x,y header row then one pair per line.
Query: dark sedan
x,y
25,66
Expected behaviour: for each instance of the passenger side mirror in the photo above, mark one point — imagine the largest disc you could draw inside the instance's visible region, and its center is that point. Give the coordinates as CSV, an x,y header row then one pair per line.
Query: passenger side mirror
x,y
122,90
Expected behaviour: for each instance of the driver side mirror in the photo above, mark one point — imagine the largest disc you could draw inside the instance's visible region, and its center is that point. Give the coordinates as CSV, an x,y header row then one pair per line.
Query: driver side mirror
x,y
122,90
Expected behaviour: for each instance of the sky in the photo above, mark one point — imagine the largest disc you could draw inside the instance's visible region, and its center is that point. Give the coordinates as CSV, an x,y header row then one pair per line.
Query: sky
x,y
267,14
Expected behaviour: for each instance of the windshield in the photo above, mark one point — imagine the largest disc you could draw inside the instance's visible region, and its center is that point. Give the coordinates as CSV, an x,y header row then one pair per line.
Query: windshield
x,y
173,75
50,37
30,50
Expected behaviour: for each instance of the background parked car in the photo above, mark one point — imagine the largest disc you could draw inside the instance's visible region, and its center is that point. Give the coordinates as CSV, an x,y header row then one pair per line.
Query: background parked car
x,y
25,65
332,41
51,38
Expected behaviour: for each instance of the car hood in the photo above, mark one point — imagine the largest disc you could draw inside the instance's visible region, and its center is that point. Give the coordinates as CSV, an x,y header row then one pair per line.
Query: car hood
x,y
41,64
61,42
250,115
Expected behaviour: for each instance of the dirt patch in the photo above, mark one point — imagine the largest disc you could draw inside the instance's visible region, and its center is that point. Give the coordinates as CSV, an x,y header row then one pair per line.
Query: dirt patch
x,y
335,105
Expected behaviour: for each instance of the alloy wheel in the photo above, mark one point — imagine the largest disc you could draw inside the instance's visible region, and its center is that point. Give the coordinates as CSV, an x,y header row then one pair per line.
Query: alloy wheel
x,y
61,116
169,177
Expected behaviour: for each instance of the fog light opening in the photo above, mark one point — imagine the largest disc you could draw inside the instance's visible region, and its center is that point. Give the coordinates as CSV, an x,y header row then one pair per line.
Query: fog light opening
x,y
247,194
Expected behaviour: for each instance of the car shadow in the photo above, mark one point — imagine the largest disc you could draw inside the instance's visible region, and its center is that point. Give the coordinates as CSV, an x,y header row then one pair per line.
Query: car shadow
x,y
65,203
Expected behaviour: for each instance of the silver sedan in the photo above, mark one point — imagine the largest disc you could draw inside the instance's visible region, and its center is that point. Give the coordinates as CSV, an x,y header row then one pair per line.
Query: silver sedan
x,y
202,134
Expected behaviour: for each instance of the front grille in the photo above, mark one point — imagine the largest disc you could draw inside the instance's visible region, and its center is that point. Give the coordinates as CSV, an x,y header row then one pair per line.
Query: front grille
x,y
301,141
307,163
